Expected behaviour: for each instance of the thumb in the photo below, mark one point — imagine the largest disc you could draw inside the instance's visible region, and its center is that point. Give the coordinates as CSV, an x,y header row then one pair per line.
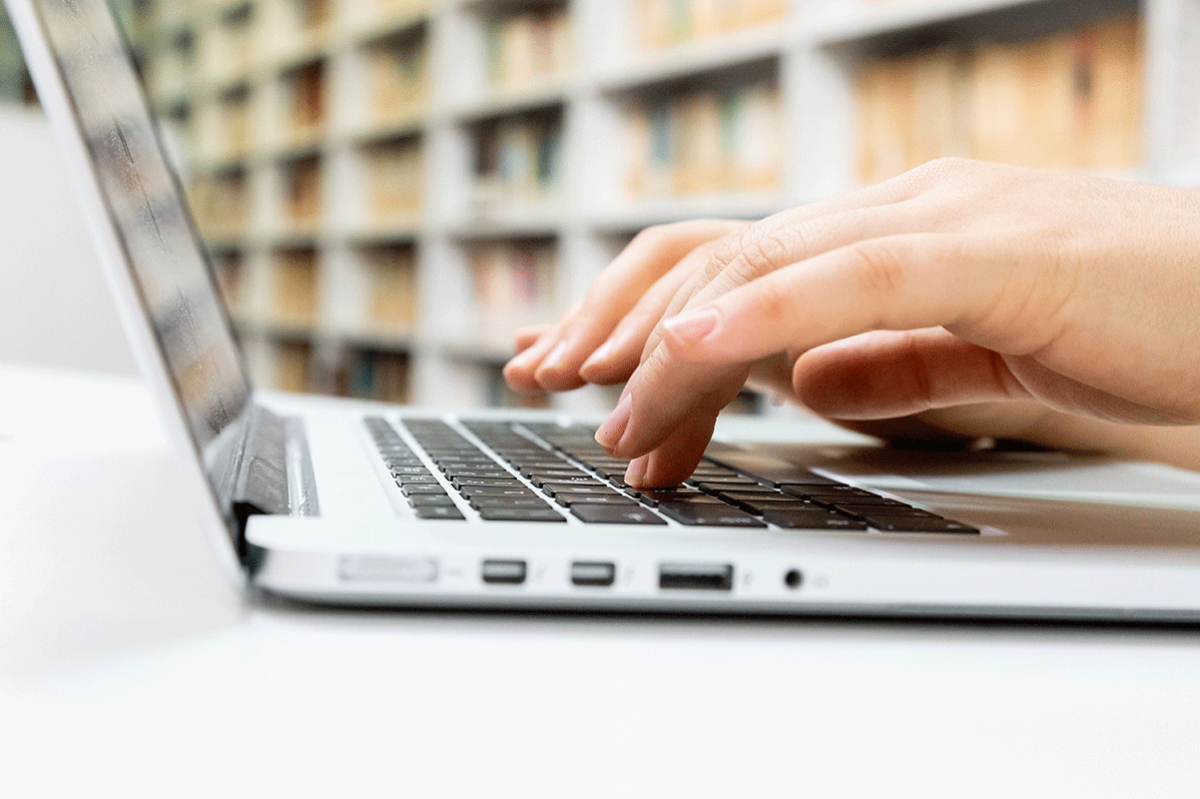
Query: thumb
x,y
889,374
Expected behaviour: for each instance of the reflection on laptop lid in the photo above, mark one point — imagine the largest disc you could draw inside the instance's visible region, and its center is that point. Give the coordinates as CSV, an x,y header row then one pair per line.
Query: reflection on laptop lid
x,y
142,202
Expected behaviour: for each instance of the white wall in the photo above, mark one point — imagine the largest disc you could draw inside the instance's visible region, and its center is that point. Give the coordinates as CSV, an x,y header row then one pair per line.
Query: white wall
x,y
55,306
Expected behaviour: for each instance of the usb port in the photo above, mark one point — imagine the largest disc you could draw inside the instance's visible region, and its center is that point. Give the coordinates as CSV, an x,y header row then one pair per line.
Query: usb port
x,y
696,576
597,573
504,572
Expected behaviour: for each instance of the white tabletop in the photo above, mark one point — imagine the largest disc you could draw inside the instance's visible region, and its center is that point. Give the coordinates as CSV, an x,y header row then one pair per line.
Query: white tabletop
x,y
114,681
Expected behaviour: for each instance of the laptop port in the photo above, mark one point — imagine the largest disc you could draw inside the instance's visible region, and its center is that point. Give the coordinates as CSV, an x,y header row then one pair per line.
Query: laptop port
x,y
504,572
794,578
595,573
696,576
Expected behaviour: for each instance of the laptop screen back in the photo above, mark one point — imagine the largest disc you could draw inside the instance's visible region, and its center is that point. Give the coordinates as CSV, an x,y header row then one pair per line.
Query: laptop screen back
x,y
145,207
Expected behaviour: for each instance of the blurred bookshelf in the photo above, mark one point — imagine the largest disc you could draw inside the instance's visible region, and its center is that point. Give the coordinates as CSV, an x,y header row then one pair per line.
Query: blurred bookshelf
x,y
389,187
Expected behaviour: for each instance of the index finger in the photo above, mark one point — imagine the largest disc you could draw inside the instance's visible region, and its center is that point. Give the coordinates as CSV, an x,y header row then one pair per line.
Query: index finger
x,y
903,282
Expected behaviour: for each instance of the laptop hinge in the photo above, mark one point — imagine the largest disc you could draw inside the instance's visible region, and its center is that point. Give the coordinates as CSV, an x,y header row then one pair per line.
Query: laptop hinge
x,y
261,486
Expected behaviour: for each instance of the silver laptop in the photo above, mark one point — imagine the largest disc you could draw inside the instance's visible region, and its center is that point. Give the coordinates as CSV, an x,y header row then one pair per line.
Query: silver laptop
x,y
347,502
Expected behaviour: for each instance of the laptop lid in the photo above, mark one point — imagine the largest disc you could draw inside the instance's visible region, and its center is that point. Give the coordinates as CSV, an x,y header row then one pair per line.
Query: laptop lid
x,y
164,286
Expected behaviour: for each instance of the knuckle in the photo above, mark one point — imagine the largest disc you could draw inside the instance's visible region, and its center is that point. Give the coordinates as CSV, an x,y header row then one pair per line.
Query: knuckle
x,y
755,252
880,268
652,235
938,171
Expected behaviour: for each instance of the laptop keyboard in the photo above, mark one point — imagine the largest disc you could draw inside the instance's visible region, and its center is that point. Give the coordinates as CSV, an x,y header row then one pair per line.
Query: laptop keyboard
x,y
544,472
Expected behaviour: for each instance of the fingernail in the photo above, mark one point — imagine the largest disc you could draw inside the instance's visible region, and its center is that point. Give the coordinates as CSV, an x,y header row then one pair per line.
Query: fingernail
x,y
694,326
519,361
601,356
609,434
554,359
635,472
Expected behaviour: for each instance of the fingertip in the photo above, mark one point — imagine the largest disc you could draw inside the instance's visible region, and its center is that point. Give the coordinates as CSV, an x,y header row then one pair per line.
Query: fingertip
x,y
635,473
660,471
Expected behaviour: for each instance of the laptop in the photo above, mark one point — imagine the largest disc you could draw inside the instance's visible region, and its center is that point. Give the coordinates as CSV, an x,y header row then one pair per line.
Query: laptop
x,y
336,501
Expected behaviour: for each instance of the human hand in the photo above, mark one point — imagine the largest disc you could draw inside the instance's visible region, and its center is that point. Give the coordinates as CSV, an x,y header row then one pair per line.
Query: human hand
x,y
601,338
957,285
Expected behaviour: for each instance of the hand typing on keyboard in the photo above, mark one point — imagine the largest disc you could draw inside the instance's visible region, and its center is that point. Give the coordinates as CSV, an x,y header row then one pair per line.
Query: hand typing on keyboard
x,y
960,299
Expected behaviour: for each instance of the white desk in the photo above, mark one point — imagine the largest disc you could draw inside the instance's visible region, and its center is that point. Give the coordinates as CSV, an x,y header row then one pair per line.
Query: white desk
x,y
113,682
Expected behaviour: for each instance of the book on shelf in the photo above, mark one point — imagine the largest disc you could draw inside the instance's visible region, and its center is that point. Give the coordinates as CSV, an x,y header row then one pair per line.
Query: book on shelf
x,y
709,141
399,8
528,47
1068,100
512,285
312,15
517,161
293,366
233,107
376,375
229,47
301,180
219,202
398,70
392,304
662,23
306,107
294,290
394,173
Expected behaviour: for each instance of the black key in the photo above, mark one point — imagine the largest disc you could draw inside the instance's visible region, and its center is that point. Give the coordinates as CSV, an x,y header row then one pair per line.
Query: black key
x,y
438,512
792,477
624,513
479,503
824,491
486,482
750,496
742,484
496,491
510,514
421,488
408,470
567,499
431,501
554,489
701,515
759,506
578,478
415,479
869,500
800,519
656,496
919,524
487,474
899,509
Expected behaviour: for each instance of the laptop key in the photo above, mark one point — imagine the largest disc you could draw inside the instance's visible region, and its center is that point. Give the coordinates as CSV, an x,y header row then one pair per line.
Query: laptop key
x,y
413,479
918,524
507,502
554,489
486,482
438,512
414,489
514,492
507,513
615,513
705,515
431,500
801,519
567,499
